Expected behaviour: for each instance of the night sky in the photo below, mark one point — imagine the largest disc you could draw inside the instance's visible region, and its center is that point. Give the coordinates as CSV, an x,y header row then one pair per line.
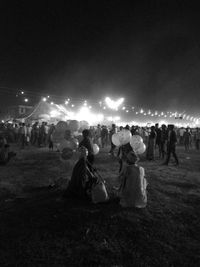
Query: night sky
x,y
147,52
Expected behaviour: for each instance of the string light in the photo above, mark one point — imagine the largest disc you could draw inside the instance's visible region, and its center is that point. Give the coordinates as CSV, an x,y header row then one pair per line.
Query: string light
x,y
127,109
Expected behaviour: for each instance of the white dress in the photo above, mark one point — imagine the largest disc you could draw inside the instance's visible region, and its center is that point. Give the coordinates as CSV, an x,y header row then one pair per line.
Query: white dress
x,y
133,190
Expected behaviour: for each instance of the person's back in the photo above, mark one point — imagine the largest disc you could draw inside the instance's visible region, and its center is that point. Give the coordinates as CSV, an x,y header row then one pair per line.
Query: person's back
x,y
133,190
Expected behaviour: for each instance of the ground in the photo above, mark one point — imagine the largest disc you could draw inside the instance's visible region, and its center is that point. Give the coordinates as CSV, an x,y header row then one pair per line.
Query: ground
x,y
39,228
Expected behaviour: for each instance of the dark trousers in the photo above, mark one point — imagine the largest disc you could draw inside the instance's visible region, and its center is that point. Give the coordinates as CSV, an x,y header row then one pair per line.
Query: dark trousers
x,y
163,148
112,148
171,150
197,144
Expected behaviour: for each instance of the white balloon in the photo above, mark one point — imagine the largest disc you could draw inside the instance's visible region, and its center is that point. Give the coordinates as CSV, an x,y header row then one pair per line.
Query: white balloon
x,y
95,149
135,141
141,149
124,137
115,139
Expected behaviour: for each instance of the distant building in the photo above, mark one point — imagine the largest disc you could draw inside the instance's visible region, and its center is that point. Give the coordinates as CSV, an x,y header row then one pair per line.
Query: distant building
x,y
13,112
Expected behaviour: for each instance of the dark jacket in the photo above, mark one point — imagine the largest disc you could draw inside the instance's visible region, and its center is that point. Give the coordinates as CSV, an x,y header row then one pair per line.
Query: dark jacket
x,y
172,139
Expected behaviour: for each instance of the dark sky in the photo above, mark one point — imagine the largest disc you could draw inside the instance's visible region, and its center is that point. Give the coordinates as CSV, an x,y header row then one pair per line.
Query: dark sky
x,y
146,51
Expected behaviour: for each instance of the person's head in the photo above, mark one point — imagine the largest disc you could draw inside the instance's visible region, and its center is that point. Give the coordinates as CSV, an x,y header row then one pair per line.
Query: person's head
x,y
171,127
132,158
83,152
152,128
164,126
86,133
156,125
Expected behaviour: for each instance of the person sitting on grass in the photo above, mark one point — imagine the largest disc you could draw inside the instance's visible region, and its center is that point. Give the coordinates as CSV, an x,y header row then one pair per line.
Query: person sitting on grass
x,y
82,178
132,191
87,143
5,154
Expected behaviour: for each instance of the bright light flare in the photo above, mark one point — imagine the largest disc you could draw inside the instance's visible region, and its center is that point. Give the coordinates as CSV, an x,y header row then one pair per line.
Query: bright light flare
x,y
113,104
85,114
54,113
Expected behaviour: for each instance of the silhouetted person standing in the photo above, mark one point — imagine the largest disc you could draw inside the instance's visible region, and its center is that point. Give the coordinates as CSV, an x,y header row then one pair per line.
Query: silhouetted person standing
x,y
171,145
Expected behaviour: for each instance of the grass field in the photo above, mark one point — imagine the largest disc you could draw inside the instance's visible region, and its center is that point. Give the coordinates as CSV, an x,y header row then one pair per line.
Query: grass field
x,y
39,228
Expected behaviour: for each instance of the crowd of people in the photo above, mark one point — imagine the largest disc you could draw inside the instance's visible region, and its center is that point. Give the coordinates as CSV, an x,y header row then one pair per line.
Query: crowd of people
x,y
39,134
84,181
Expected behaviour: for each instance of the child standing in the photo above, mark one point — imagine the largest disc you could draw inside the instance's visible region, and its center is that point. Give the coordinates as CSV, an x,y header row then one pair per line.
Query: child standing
x,y
133,186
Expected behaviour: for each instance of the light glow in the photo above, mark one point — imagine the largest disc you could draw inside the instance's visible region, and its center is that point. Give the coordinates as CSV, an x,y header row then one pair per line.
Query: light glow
x,y
113,104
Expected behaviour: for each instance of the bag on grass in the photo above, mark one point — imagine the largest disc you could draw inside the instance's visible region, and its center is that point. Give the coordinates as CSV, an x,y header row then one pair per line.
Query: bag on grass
x,y
99,193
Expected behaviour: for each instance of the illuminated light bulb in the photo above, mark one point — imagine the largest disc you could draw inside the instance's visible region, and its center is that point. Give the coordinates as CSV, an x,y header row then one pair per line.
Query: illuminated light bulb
x,y
141,111
26,100
22,92
44,99
85,104
90,107
66,102
104,107
68,99
123,108
165,116
145,114
127,111
48,96
132,107
52,103
136,113
162,113
72,105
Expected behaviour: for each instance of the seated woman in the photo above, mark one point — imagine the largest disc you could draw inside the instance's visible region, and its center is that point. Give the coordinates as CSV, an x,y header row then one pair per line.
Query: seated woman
x,y
5,154
87,143
82,178
133,186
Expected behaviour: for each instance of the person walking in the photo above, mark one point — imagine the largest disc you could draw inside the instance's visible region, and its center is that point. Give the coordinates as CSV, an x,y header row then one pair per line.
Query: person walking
x,y
171,145
197,138
187,139
150,155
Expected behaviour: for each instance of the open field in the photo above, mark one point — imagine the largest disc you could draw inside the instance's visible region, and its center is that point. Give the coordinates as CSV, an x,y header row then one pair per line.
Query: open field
x,y
39,228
